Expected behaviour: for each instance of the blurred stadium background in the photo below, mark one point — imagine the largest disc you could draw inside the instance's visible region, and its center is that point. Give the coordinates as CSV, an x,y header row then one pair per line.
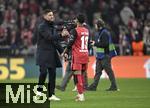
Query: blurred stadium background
x,y
129,22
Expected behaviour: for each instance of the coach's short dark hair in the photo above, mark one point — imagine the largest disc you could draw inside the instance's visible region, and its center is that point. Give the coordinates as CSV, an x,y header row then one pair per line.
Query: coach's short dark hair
x,y
81,18
45,11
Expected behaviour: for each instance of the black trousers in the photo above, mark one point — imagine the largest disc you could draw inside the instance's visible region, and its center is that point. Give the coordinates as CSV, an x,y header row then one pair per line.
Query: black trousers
x,y
105,64
51,79
67,77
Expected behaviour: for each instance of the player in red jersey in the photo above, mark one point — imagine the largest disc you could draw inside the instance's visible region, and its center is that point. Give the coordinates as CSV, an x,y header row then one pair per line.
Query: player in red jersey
x,y
78,43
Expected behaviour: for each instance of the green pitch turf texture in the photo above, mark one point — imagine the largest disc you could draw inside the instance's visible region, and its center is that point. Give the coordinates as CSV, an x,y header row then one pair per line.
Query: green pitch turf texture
x,y
134,93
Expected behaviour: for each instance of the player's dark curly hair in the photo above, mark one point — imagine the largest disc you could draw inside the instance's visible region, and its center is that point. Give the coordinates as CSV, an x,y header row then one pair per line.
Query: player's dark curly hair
x,y
81,18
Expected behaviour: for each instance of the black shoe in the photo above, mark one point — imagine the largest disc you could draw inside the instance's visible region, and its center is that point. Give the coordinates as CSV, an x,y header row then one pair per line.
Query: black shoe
x,y
60,88
112,89
91,88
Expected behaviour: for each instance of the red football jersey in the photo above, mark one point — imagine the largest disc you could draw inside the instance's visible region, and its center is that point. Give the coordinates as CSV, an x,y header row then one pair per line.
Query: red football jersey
x,y
80,46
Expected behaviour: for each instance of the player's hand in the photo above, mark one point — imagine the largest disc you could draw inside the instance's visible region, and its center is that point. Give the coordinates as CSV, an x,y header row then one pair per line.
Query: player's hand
x,y
92,42
65,56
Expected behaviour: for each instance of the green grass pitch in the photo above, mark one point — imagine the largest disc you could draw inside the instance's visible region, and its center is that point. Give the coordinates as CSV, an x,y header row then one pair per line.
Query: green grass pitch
x,y
134,93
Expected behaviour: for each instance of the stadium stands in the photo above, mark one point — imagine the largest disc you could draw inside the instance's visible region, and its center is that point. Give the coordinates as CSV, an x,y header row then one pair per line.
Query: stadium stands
x,y
124,18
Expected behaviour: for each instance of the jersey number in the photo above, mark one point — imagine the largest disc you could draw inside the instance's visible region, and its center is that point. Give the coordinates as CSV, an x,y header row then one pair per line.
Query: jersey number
x,y
84,42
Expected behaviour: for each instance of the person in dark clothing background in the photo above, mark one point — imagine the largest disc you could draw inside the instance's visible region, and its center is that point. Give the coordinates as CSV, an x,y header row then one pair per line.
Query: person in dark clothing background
x,y
47,57
105,50
67,76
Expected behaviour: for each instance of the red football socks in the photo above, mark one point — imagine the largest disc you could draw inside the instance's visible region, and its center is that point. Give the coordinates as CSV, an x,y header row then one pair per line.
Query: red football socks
x,y
80,84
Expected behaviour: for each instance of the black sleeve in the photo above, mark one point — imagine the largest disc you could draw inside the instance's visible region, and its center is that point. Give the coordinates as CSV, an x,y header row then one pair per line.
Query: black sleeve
x,y
72,38
104,41
57,37
58,47
34,36
45,32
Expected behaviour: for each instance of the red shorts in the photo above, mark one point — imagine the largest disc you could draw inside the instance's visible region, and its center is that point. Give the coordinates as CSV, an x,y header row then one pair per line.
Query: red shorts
x,y
79,67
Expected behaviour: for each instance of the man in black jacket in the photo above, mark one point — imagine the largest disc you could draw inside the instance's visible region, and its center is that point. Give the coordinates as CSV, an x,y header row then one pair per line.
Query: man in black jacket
x,y
47,57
